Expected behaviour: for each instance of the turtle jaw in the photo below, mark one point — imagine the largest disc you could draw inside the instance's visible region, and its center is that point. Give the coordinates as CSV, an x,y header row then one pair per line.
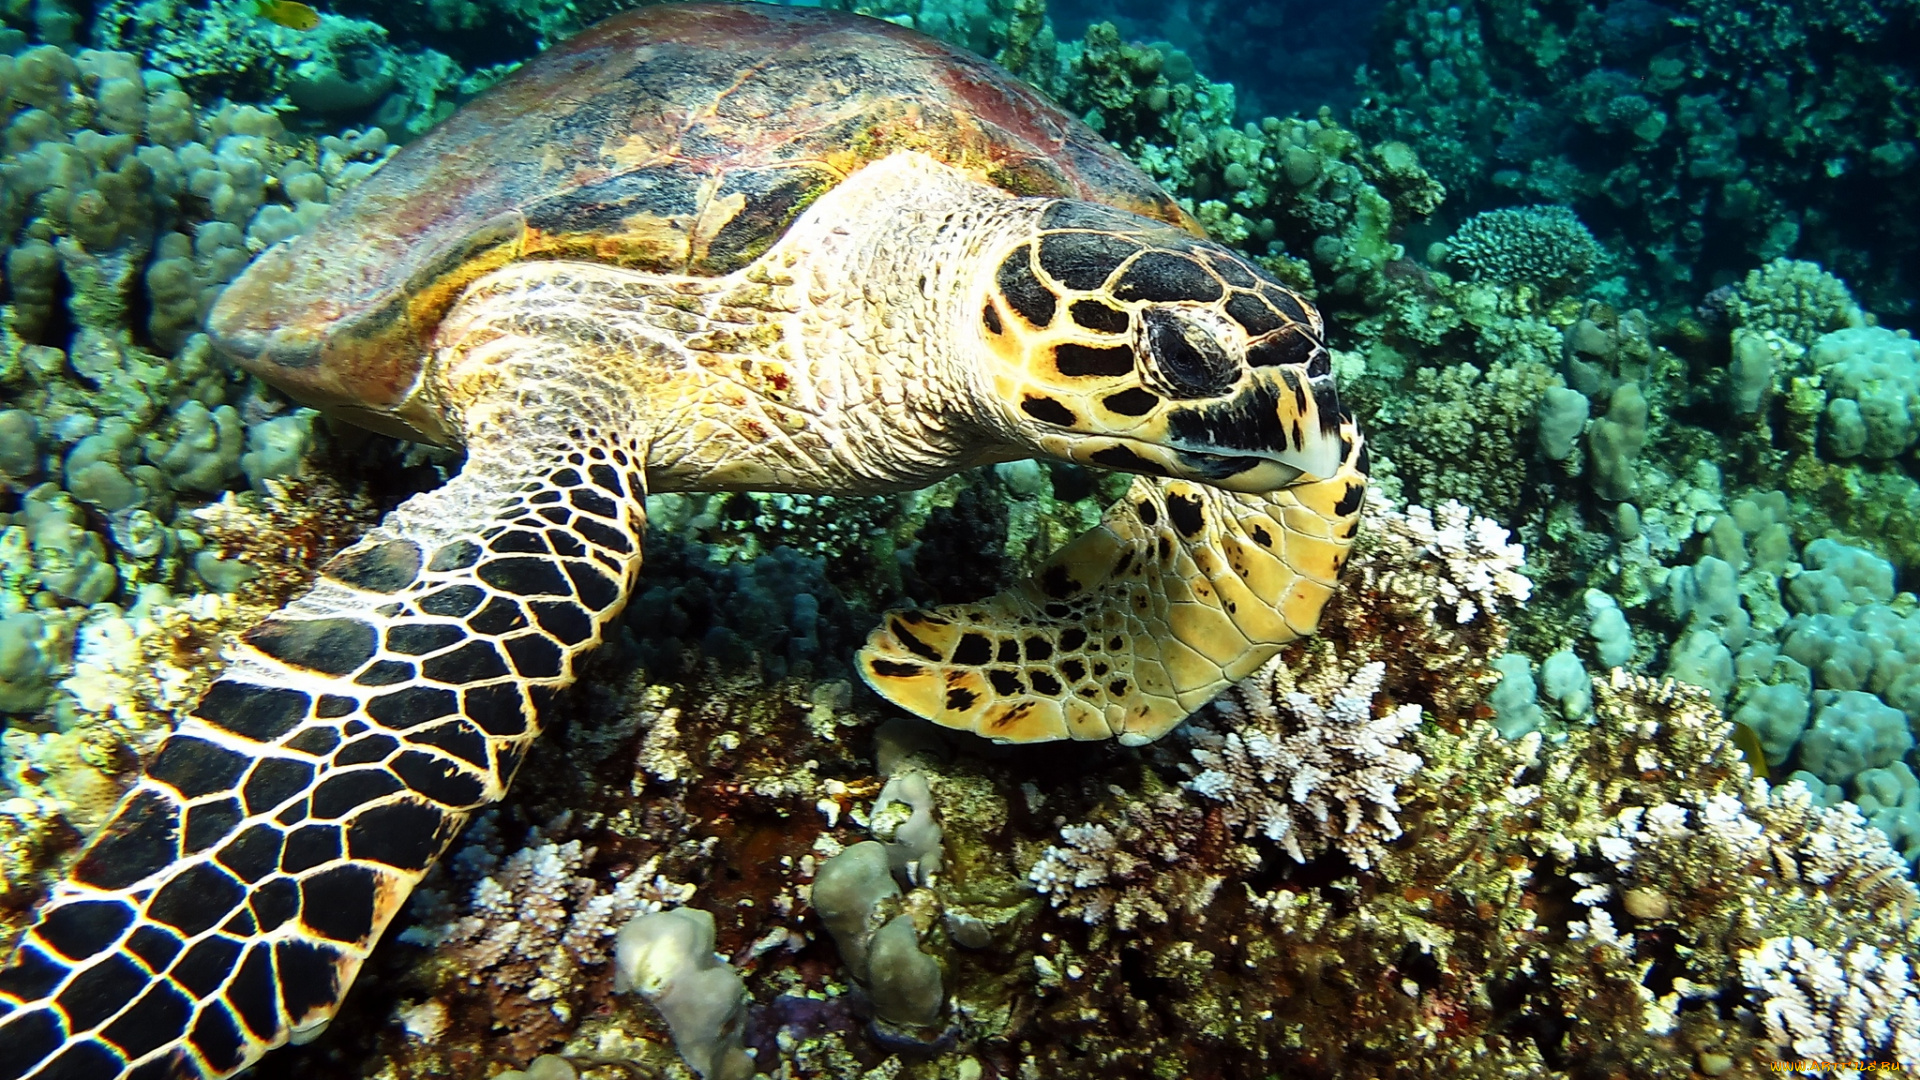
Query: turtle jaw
x,y
1248,474
1278,427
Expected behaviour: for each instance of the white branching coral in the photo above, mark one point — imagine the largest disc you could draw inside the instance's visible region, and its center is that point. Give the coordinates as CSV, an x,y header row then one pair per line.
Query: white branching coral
x,y
1482,566
1833,847
1159,857
1307,770
1779,827
1859,1005
532,919
1088,857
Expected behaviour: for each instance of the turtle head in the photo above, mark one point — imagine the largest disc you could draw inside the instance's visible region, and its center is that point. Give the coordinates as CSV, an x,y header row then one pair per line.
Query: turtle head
x,y
1119,342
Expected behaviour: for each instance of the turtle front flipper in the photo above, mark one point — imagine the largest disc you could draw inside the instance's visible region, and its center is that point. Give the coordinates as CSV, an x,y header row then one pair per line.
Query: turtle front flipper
x,y
1182,590
227,905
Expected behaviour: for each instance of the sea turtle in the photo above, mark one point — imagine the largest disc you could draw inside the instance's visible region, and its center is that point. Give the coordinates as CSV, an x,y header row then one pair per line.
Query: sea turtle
x,y
699,247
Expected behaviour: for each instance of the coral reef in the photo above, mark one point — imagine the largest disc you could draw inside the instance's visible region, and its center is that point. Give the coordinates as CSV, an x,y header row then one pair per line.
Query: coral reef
x,y
1697,139
343,69
1632,856
1312,196
1622,282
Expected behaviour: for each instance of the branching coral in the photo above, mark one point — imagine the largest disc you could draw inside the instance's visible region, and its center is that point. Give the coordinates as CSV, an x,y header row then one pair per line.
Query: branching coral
x,y
1309,769
525,926
1612,899
1300,758
1404,595
1544,245
1157,858
1862,1005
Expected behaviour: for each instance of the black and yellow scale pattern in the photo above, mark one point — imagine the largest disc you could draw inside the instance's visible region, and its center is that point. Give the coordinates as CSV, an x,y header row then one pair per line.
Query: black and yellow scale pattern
x,y
227,905
985,281
1130,345
1180,591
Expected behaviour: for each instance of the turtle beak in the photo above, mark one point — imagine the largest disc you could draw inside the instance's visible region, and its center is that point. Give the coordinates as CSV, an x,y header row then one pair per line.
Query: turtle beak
x,y
1277,428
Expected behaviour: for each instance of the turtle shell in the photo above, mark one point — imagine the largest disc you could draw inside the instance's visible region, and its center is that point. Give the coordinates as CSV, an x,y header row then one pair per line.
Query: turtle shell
x,y
680,138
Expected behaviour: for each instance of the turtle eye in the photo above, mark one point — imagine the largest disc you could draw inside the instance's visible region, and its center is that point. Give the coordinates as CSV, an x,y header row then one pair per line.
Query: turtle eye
x,y
1184,359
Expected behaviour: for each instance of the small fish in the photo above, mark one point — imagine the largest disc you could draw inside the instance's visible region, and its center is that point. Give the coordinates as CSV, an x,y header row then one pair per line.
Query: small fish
x,y
288,13
1748,740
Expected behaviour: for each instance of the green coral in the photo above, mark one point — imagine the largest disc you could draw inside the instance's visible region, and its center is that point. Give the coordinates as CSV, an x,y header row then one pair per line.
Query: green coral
x,y
128,207
343,67
1317,201
1462,433
1697,138
1795,301
1016,34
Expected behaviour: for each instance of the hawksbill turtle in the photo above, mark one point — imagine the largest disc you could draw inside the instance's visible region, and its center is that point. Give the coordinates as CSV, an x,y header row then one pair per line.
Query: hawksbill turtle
x,y
699,247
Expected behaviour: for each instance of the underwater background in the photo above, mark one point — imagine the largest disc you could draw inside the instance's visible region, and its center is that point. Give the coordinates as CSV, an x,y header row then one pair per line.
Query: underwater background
x,y
1621,295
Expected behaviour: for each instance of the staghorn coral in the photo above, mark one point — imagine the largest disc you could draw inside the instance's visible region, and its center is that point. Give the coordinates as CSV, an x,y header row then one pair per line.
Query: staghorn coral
x,y
1482,568
1635,860
1328,769
1199,938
